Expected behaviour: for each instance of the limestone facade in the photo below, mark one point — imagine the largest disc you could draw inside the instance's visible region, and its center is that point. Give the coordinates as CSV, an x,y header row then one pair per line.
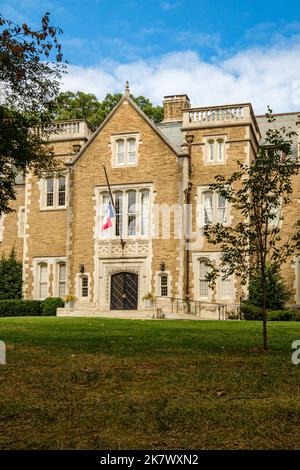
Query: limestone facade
x,y
56,226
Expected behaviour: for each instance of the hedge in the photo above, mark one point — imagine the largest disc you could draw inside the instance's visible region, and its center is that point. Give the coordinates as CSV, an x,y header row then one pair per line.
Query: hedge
x,y
20,308
50,305
28,308
251,312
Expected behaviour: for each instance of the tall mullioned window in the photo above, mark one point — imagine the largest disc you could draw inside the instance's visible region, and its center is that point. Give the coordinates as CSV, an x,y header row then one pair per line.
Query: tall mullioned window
x,y
43,281
131,213
203,283
62,279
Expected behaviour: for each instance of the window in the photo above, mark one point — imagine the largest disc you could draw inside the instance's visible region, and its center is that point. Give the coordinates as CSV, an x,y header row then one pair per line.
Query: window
x,y
61,191
131,150
225,285
43,281
215,150
144,212
21,222
213,208
208,207
54,193
50,192
164,285
120,152
221,209
131,215
119,214
125,150
211,146
203,283
85,286
226,288
62,279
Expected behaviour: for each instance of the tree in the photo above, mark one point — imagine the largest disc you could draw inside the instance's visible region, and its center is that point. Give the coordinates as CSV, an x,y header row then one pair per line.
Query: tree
x,y
30,70
81,105
277,292
258,192
78,106
10,277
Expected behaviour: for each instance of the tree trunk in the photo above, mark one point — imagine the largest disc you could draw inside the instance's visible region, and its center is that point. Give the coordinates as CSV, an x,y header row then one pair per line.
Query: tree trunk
x,y
264,311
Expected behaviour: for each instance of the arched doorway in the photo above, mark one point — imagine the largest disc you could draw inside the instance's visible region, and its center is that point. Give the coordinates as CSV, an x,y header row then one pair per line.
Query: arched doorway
x,y
124,291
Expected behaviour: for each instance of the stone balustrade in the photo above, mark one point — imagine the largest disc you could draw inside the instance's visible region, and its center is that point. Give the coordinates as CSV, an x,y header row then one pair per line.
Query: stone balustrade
x,y
217,116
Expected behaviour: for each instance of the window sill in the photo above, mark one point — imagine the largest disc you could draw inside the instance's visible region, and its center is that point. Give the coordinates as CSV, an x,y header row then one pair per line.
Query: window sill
x,y
124,165
49,209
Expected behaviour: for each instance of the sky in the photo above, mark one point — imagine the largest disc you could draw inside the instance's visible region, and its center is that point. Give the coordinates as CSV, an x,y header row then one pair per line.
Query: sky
x,y
216,51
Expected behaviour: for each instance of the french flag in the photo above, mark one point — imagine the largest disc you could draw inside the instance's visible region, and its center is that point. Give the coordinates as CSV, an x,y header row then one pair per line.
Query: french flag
x,y
108,215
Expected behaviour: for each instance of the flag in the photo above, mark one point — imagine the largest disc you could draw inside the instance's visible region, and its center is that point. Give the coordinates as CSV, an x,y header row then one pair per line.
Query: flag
x,y
108,215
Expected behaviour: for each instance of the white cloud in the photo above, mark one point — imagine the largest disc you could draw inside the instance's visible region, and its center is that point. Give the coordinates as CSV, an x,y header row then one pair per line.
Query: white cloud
x,y
262,77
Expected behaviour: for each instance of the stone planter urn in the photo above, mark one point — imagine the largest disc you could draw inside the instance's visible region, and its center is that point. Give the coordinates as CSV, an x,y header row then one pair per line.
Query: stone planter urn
x,y
70,301
149,300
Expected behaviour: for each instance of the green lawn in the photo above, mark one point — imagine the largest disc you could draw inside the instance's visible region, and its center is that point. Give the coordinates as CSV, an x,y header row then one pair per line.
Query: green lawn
x,y
119,384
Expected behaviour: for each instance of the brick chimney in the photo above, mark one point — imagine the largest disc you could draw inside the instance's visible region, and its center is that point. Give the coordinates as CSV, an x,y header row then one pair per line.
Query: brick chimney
x,y
174,106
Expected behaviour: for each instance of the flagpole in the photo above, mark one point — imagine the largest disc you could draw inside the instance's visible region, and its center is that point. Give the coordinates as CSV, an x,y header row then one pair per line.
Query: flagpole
x,y
123,243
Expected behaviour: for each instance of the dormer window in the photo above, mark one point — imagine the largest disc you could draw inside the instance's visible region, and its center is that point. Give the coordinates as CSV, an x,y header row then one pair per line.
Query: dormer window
x,y
215,150
125,150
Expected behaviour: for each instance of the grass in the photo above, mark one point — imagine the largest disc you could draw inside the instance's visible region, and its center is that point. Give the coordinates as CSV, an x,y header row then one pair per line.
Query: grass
x,y
127,384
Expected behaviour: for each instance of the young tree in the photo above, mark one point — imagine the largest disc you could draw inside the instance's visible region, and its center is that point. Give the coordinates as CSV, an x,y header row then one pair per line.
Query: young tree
x,y
10,277
30,70
258,193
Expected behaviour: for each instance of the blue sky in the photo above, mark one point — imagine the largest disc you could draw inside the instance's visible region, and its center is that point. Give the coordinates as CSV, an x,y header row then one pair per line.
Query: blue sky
x,y
213,50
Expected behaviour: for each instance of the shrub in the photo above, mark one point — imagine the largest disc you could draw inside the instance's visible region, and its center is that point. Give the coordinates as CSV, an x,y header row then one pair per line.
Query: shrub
x,y
20,308
50,305
277,293
10,277
252,312
281,315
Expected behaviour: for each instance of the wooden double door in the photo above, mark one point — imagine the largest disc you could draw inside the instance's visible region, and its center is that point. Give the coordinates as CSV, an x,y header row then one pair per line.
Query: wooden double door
x,y
124,291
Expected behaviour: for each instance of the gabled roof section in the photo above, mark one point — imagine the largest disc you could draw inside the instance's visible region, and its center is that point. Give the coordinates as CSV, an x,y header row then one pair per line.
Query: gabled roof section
x,y
287,120
126,97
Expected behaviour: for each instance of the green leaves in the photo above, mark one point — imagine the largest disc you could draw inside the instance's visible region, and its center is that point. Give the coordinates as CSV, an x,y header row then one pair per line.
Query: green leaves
x,y
81,105
30,70
10,277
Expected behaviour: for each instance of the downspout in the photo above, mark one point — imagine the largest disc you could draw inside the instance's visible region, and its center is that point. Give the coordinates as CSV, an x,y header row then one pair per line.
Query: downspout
x,y
189,138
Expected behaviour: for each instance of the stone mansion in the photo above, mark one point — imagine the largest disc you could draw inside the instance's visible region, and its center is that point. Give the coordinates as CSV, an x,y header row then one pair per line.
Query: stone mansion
x,y
57,223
